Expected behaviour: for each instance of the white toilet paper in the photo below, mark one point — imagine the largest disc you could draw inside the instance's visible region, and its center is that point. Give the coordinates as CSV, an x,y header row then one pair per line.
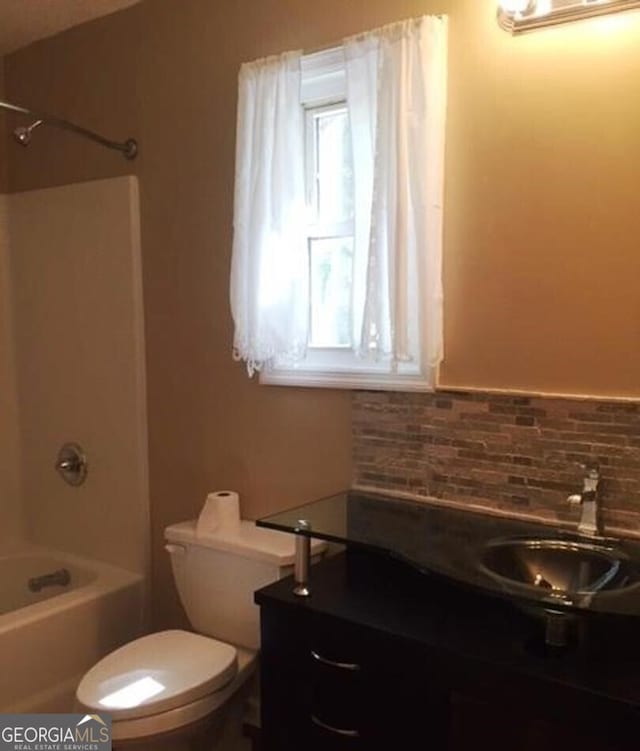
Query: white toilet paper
x,y
221,512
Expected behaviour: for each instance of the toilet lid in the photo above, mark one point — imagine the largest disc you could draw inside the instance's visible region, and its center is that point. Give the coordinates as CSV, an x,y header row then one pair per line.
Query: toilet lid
x,y
156,673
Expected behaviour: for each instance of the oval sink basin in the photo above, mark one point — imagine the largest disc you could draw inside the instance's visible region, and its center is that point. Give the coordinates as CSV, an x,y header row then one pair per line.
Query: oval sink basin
x,y
557,566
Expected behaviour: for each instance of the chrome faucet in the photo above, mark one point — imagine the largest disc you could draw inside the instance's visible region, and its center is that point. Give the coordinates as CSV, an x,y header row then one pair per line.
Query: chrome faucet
x,y
588,500
60,578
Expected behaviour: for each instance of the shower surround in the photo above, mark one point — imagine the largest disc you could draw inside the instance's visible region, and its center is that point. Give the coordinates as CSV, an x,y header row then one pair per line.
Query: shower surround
x,y
11,517
72,362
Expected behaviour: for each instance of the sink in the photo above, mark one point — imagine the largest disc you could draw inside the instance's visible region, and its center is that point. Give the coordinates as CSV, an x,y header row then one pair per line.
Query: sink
x,y
558,567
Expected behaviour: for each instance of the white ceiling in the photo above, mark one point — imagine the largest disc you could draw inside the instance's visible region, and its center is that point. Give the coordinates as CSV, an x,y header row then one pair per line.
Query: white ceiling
x,y
24,21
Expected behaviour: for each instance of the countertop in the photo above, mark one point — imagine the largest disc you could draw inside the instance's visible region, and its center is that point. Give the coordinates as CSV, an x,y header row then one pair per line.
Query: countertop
x,y
449,544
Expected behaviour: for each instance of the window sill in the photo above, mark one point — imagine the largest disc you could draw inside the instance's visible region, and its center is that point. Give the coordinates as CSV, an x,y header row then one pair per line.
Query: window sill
x,y
368,381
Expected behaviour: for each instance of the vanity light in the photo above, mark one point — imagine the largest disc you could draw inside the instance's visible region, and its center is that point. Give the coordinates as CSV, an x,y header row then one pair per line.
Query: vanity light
x,y
516,7
524,15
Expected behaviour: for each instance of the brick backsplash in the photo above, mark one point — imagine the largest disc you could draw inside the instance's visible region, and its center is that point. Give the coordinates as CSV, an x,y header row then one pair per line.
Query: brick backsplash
x,y
515,455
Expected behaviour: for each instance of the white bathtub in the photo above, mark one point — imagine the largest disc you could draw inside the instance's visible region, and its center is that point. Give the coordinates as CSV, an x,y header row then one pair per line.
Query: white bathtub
x,y
48,639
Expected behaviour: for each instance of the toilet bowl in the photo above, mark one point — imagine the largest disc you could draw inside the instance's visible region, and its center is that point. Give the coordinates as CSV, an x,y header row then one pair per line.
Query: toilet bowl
x,y
178,684
163,682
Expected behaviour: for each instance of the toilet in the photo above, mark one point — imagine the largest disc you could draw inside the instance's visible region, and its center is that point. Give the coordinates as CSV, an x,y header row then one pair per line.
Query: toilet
x,y
182,686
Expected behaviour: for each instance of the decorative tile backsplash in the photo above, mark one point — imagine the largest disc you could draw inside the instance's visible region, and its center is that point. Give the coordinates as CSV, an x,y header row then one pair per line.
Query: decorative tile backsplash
x,y
517,455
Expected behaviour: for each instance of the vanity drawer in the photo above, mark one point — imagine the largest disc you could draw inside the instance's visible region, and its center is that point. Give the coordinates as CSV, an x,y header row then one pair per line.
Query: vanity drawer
x,y
332,684
338,695
326,737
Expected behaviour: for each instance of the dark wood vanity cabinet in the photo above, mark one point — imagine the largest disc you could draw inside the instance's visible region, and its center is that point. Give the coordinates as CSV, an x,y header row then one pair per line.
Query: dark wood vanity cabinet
x,y
370,662
327,684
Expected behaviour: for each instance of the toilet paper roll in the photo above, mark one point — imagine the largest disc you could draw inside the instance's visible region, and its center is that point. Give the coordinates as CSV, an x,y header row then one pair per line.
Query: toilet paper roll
x,y
221,512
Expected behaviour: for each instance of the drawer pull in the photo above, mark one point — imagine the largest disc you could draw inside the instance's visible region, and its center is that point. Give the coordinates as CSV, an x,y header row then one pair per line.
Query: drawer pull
x,y
332,664
338,731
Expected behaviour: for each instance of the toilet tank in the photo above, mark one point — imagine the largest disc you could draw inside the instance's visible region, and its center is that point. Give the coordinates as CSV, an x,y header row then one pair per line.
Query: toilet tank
x,y
216,575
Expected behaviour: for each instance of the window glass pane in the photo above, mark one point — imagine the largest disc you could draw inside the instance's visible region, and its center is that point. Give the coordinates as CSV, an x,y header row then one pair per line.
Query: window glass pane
x,y
331,265
334,167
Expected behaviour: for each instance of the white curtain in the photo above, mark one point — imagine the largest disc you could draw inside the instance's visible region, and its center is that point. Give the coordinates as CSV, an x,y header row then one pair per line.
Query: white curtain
x,y
269,274
396,86
396,97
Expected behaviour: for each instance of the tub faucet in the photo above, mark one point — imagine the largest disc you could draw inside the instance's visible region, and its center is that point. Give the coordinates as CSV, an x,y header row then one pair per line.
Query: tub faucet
x,y
588,500
60,578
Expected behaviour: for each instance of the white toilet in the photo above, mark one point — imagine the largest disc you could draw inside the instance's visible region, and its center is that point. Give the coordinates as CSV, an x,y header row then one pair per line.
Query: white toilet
x,y
174,683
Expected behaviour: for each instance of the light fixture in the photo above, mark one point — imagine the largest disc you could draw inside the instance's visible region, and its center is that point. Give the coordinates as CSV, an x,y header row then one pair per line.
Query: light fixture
x,y
517,16
515,7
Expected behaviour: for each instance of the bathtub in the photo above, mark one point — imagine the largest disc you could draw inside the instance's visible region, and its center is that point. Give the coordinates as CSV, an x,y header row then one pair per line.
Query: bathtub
x,y
49,638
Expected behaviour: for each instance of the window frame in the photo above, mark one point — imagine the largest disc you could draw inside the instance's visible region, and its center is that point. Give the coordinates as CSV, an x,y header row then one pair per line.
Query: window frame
x,y
324,87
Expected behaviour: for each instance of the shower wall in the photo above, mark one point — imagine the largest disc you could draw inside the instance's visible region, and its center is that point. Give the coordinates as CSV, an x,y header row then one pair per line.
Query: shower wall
x,y
4,172
11,527
11,521
78,326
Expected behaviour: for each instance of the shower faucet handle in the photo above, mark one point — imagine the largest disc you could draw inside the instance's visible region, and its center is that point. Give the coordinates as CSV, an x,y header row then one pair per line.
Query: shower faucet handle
x,y
71,464
68,465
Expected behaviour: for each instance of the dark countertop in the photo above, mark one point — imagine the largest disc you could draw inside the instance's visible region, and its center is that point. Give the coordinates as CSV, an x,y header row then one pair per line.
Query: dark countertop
x,y
478,639
449,543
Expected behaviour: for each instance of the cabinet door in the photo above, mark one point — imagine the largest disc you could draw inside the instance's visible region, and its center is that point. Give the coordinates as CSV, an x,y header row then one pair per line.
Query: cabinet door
x,y
478,723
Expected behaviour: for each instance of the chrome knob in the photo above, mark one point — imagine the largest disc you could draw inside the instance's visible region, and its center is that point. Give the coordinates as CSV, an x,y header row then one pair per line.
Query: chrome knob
x,y
71,464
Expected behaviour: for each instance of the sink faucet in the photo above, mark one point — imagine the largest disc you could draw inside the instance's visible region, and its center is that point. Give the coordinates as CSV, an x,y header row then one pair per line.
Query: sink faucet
x,y
588,499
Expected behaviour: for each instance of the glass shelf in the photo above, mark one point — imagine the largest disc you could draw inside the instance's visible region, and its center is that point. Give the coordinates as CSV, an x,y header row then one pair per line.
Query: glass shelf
x,y
453,543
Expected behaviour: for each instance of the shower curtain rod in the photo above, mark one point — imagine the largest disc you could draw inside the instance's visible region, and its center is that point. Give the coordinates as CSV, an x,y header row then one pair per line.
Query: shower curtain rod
x,y
129,148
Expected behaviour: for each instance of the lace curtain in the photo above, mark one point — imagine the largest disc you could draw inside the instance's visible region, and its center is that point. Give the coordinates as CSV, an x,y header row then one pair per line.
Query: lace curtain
x,y
396,98
269,274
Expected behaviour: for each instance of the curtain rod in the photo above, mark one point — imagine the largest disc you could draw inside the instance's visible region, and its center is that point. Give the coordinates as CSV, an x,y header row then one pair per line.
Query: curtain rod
x,y
339,42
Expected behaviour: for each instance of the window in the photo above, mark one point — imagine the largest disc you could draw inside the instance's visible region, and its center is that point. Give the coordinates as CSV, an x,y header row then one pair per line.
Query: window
x,y
354,296
329,191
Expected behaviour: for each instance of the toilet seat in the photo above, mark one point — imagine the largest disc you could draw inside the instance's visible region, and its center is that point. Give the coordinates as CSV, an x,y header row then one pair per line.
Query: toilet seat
x,y
158,673
178,717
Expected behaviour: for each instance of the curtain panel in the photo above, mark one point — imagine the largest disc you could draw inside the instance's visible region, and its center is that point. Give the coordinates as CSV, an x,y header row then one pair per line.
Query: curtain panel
x,y
396,99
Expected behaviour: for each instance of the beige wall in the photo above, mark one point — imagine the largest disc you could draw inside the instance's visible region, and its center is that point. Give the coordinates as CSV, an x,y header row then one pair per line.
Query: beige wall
x,y
540,220
155,71
77,302
542,227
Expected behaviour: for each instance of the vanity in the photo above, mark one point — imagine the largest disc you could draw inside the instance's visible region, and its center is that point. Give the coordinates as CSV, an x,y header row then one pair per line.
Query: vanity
x,y
433,628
